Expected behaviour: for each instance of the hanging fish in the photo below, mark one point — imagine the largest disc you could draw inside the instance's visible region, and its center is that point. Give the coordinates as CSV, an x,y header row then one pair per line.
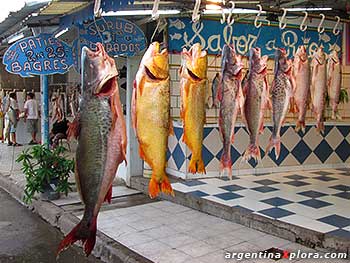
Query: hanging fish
x,y
301,71
193,83
101,142
214,90
151,115
334,82
282,92
256,92
318,86
231,100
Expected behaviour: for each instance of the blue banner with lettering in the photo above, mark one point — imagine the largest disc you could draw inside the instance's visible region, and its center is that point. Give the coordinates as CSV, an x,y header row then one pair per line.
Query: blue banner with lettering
x,y
41,55
119,36
212,35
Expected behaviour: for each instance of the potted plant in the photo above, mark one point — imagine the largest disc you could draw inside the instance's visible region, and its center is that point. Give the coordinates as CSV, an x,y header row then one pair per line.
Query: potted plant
x,y
46,171
343,99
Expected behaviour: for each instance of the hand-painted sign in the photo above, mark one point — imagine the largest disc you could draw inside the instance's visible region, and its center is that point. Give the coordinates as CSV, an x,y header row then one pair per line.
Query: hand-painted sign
x,y
41,55
119,36
212,35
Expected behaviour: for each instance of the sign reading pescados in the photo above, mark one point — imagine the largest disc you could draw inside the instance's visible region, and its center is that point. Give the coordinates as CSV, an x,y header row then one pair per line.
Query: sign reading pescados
x,y
41,55
119,36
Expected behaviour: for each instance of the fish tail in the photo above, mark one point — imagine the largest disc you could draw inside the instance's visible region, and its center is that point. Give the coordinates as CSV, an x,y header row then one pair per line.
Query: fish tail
x,y
300,125
226,165
274,143
84,231
153,187
320,127
166,186
252,151
196,166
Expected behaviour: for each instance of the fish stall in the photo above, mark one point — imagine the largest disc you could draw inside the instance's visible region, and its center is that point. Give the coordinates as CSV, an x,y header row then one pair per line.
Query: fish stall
x,y
271,102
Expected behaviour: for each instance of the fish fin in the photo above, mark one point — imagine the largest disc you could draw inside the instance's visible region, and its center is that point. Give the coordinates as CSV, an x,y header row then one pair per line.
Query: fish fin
x,y
252,151
292,106
226,165
196,166
142,153
320,127
153,188
171,127
133,107
165,186
274,143
73,129
108,197
300,125
79,233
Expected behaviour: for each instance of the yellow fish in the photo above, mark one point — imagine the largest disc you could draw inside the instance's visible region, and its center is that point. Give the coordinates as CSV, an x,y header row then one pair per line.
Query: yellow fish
x,y
151,115
193,83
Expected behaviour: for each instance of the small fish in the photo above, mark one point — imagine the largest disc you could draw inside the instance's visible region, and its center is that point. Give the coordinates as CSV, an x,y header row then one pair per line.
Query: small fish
x,y
318,86
282,92
231,100
102,142
151,115
214,88
178,24
175,36
301,71
256,92
193,73
334,82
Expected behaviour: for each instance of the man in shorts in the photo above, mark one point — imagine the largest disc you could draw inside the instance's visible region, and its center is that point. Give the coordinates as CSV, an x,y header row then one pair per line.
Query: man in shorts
x,y
32,116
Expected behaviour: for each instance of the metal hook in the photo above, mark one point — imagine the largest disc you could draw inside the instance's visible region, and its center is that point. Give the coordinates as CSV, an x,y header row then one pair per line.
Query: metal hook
x,y
155,13
195,15
282,23
229,20
257,17
303,26
320,28
97,8
223,16
336,30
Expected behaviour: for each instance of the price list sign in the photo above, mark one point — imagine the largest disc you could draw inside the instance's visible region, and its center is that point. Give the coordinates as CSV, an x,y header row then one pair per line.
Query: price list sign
x,y
41,55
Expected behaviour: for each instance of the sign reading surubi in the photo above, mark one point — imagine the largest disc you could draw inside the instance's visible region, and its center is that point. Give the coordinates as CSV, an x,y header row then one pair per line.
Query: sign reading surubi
x,y
40,55
212,35
119,36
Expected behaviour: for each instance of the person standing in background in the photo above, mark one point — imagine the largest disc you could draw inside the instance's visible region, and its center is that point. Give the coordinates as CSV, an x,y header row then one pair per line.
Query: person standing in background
x,y
31,116
11,117
2,115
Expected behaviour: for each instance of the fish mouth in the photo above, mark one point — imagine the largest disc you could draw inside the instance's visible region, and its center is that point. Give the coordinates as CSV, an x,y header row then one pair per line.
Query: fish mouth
x,y
193,75
151,75
107,87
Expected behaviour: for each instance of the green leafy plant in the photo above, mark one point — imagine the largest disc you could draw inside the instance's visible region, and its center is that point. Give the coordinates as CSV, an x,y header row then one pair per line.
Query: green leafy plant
x,y
41,166
343,97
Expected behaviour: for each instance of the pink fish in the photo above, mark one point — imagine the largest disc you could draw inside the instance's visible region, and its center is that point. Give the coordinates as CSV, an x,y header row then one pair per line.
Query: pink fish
x,y
256,92
334,82
318,86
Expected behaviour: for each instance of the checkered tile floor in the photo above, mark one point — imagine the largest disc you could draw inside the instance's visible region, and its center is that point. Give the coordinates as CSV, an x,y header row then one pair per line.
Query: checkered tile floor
x,y
317,200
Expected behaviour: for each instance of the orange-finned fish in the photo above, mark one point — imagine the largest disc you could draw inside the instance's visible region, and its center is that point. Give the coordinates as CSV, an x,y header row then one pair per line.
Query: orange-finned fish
x,y
301,71
281,92
334,83
256,92
231,100
102,141
318,86
151,115
193,83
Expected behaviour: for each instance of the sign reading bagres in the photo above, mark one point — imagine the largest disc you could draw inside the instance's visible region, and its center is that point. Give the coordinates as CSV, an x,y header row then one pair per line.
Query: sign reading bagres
x,y
41,55
46,55
212,35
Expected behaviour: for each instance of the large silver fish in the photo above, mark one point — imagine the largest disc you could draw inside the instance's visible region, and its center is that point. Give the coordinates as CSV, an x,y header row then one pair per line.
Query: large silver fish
x,y
101,141
256,92
301,71
231,100
318,86
282,92
334,82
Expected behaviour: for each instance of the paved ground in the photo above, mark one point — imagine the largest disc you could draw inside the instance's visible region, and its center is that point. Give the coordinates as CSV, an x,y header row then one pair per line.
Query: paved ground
x,y
26,238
